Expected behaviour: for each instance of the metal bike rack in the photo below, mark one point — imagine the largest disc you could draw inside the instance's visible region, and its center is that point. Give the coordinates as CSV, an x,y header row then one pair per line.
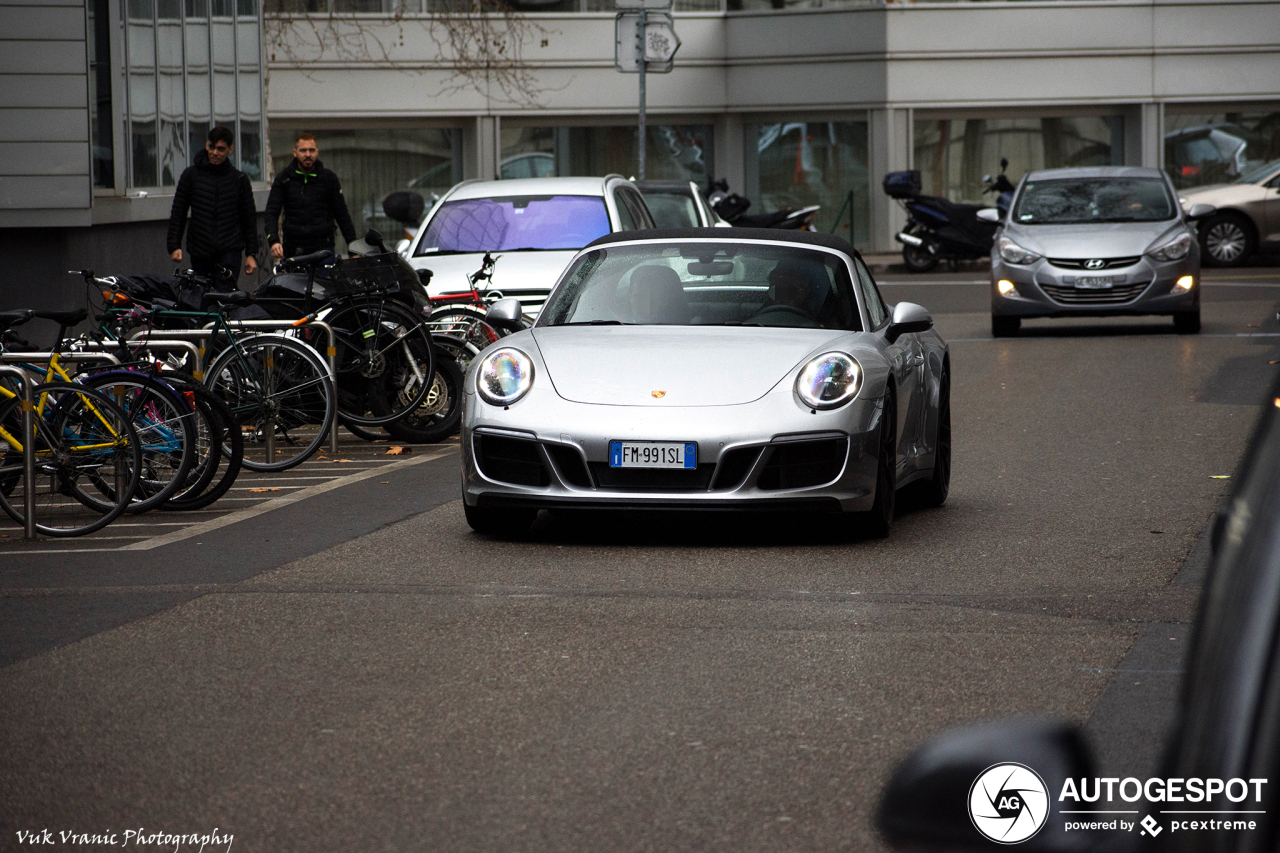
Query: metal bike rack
x,y
28,449
210,330
159,344
23,357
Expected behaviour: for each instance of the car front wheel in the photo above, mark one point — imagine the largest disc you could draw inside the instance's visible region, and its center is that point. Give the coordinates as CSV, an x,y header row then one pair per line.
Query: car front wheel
x,y
1227,239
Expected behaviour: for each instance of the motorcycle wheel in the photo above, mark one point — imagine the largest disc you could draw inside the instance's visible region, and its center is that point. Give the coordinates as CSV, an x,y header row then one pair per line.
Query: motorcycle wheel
x,y
918,258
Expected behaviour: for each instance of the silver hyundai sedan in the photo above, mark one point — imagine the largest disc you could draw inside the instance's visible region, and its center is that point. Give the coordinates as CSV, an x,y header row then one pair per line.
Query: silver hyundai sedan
x,y
1100,241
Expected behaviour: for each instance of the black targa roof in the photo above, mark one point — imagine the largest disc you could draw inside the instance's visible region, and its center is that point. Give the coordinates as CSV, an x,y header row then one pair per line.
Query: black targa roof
x,y
731,235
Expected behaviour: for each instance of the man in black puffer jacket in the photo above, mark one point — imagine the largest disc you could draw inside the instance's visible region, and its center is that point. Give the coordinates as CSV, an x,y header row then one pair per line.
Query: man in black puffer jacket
x,y
223,215
311,199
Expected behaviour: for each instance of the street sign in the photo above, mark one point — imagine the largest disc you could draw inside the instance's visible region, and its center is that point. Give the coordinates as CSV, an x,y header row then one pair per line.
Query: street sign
x,y
660,42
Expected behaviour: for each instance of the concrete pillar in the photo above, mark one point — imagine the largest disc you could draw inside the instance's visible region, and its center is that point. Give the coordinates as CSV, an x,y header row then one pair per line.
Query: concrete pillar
x,y
890,146
728,152
482,148
1153,135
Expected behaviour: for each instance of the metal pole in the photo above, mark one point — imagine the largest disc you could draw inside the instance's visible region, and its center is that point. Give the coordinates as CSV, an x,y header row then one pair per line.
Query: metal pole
x,y
269,382
640,65
28,450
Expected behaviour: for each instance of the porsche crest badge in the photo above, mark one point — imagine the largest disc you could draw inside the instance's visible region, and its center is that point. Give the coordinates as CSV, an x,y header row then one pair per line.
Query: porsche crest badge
x,y
658,395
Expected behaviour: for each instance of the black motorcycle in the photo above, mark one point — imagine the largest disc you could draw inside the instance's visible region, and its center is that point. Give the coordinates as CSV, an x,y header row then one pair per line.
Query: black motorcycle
x,y
732,208
942,230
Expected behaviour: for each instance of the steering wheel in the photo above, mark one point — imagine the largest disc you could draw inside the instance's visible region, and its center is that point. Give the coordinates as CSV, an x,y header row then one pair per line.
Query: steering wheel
x,y
781,308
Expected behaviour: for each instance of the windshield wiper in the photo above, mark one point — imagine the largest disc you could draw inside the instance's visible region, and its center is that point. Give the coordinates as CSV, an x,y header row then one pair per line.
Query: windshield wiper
x,y
595,323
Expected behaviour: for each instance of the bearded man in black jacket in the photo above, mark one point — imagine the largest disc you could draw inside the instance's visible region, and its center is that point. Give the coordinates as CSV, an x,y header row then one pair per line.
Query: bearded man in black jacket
x,y
311,199
223,215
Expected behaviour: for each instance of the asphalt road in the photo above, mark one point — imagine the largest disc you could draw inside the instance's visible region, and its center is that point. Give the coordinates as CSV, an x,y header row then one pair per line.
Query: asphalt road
x,y
357,671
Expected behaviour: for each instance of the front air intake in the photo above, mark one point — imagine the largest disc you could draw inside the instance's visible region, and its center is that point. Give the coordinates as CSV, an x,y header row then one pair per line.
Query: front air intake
x,y
800,464
511,460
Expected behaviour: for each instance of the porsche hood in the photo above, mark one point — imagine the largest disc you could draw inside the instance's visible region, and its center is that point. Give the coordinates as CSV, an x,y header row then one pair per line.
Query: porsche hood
x,y
673,365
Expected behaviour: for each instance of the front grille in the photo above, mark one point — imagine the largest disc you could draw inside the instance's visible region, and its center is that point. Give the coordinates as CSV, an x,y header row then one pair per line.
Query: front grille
x,y
796,465
511,460
1099,296
570,464
1079,263
734,466
653,479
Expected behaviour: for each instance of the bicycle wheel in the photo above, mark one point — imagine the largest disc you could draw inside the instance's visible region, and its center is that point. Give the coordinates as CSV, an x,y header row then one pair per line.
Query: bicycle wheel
x,y
384,361
219,451
281,395
165,424
465,324
81,435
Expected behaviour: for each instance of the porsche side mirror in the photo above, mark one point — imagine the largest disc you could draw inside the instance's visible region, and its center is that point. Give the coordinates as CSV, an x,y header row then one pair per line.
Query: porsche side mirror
x,y
989,214
505,314
1200,210
991,782
908,317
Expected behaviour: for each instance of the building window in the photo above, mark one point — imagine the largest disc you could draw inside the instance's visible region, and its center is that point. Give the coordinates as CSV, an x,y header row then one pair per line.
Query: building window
x,y
191,64
1207,146
100,115
797,164
672,152
954,155
372,163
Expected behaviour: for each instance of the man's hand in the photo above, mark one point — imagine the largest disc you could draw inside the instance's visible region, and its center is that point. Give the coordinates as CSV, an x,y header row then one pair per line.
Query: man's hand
x,y
175,255
277,251
250,265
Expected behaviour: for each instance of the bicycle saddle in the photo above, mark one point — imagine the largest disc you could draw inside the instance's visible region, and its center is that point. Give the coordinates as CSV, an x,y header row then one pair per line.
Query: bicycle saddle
x,y
15,318
232,297
66,318
311,259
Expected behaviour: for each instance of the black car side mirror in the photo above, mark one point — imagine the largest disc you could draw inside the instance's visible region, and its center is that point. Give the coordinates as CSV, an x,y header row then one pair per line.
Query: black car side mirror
x,y
966,778
405,206
908,317
505,314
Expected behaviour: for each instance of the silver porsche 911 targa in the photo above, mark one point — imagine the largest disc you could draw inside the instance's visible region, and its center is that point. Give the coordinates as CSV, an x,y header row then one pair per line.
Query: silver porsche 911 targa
x,y
692,370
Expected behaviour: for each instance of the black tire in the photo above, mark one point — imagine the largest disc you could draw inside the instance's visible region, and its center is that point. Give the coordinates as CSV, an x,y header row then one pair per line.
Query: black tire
x,y
384,359
934,491
1005,327
300,402
440,414
1187,322
79,435
918,258
365,434
499,522
218,456
1227,239
876,522
165,424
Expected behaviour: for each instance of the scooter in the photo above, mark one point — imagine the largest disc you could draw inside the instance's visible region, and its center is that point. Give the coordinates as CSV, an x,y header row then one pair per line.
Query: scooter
x,y
732,208
942,230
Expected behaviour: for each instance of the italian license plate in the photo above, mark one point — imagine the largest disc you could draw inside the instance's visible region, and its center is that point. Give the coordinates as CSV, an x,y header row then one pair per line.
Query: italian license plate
x,y
1095,282
653,454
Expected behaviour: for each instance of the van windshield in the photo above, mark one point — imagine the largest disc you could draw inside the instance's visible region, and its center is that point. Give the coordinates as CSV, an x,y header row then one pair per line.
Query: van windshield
x,y
514,224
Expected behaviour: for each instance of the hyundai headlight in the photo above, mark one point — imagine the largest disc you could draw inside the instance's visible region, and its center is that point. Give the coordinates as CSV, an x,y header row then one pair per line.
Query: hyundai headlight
x,y
1015,254
829,381
504,376
1174,250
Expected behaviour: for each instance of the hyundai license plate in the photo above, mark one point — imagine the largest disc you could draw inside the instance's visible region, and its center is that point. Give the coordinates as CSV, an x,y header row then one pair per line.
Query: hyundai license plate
x,y
653,454
1094,282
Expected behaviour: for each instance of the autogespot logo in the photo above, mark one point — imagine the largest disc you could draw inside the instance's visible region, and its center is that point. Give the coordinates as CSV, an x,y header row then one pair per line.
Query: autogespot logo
x,y
1008,803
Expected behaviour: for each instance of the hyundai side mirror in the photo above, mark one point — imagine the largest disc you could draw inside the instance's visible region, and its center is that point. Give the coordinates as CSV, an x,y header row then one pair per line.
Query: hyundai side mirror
x,y
989,214
1200,210
505,314
908,317
988,786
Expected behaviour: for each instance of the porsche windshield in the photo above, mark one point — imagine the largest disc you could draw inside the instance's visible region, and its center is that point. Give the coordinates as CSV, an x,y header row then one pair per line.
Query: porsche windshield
x,y
706,284
1077,200
512,224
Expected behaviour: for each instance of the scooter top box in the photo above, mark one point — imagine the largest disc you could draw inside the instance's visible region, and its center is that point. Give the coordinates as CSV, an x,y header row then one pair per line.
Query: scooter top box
x,y
902,184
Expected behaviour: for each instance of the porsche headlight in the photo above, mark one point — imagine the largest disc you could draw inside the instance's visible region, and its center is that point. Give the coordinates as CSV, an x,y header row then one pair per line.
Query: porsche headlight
x,y
829,381
1174,250
504,376
1015,254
